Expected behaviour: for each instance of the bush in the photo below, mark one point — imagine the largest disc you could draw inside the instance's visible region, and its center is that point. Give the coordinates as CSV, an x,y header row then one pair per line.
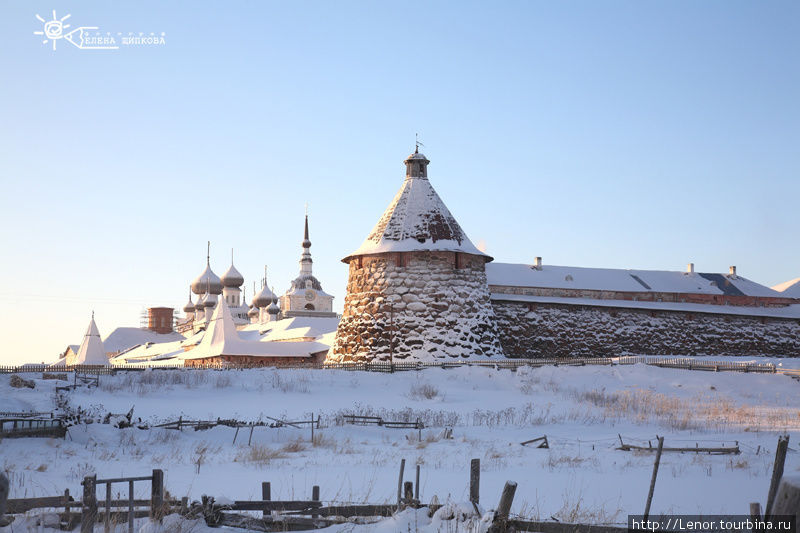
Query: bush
x,y
423,391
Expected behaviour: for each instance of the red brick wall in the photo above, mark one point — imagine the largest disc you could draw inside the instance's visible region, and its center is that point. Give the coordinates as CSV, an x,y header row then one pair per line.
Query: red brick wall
x,y
159,319
678,297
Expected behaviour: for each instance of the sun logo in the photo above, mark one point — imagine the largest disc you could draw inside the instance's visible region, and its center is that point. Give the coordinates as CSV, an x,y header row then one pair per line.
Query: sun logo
x,y
53,29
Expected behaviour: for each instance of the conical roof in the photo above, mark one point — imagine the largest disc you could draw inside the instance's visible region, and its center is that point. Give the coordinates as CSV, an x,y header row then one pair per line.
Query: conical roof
x,y
91,351
416,220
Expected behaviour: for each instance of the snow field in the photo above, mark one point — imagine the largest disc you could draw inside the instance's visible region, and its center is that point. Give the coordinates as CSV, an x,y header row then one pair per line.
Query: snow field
x,y
582,477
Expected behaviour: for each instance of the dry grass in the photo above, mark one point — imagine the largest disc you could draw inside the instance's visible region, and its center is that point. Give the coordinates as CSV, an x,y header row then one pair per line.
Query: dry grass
x,y
700,413
258,454
423,391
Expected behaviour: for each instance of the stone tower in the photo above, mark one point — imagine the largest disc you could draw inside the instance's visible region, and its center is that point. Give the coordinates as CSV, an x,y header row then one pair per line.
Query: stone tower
x,y
417,286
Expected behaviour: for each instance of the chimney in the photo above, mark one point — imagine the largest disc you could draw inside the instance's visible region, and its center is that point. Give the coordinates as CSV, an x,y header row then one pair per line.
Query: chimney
x,y
537,264
690,268
732,270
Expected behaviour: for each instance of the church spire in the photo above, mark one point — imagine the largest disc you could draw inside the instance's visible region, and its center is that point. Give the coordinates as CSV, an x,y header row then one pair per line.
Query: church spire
x,y
305,258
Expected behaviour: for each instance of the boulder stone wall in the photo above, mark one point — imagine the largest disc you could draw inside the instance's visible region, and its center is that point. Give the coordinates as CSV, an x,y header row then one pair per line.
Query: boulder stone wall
x,y
536,330
425,305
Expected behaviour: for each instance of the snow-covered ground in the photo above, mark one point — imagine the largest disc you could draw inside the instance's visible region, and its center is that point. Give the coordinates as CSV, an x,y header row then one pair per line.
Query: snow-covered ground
x,y
582,410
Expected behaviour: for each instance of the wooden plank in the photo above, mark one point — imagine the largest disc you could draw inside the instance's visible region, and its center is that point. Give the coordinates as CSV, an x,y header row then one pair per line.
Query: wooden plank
x,y
22,505
274,505
475,481
777,472
721,450
560,527
653,478
357,510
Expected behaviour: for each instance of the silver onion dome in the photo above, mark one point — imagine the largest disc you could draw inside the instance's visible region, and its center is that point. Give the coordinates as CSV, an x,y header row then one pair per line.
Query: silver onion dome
x,y
232,278
207,280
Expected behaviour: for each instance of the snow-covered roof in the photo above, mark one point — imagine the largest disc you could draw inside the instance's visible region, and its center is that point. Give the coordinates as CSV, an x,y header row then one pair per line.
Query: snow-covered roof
x,y
298,328
416,219
91,351
123,338
221,338
621,280
150,352
789,289
789,311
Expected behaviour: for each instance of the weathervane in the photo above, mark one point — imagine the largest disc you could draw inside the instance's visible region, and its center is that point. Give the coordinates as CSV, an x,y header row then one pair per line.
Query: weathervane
x,y
416,150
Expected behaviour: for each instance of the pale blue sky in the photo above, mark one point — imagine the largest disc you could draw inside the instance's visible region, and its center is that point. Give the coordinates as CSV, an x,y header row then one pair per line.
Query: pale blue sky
x,y
610,134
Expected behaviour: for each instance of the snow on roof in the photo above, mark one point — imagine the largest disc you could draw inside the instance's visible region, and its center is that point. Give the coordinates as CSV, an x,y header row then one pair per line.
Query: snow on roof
x,y
789,311
123,338
417,219
789,289
221,338
149,351
621,280
91,351
300,327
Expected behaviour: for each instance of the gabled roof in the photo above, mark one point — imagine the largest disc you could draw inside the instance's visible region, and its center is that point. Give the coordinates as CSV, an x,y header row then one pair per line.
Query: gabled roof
x,y
124,338
91,351
789,289
416,219
622,280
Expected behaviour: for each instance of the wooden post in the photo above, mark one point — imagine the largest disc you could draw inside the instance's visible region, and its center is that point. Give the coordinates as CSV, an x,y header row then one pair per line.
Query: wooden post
x,y
157,495
399,482
89,507
653,479
755,511
107,522
184,506
266,495
787,500
251,434
475,481
777,473
506,499
416,485
67,518
130,506
312,429
408,492
314,492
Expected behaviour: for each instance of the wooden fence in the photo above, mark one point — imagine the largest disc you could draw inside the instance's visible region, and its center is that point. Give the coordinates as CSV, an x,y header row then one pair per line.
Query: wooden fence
x,y
290,515
687,363
18,427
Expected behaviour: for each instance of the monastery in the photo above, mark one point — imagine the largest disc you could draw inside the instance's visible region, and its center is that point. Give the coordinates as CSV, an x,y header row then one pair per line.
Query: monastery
x,y
418,289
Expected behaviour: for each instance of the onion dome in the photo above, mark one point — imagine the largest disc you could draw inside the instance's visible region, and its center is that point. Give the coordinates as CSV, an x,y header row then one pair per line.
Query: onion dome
x,y
263,298
209,300
189,307
253,312
207,281
273,308
232,277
